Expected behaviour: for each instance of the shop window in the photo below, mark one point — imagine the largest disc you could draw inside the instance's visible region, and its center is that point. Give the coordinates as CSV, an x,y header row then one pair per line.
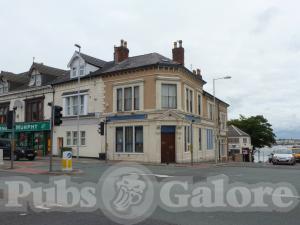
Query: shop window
x,y
129,139
3,112
34,110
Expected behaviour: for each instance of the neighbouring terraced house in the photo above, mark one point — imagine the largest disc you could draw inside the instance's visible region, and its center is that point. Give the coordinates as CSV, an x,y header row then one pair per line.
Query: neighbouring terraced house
x,y
154,108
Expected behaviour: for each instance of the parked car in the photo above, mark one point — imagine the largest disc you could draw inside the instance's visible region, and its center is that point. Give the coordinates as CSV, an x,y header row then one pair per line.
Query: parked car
x,y
296,152
20,152
283,156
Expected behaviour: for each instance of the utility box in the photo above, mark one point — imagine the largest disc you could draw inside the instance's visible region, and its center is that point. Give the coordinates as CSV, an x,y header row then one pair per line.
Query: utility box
x,y
67,161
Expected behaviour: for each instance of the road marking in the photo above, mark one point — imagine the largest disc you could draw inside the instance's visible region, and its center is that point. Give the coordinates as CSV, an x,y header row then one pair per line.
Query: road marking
x,y
23,214
42,207
150,174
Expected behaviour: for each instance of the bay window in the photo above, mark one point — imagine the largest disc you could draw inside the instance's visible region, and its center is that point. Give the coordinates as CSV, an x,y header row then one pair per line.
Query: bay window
x,y
4,108
34,110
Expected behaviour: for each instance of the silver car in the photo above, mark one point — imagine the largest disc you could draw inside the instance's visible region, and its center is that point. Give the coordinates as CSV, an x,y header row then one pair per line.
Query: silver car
x,y
283,156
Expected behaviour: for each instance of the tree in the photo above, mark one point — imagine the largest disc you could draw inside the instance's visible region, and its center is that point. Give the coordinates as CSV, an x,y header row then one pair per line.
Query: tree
x,y
259,129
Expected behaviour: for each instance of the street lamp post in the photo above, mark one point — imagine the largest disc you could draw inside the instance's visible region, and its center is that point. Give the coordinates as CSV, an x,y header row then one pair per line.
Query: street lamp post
x,y
78,98
216,122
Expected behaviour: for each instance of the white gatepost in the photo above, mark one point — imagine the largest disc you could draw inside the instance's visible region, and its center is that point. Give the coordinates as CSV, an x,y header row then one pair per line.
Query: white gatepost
x,y
1,157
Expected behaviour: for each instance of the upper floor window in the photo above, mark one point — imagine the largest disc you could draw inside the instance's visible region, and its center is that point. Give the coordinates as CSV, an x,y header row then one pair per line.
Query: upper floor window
x,y
3,87
222,121
75,71
35,80
3,112
189,100
128,98
199,104
233,140
34,110
169,96
71,105
245,140
210,111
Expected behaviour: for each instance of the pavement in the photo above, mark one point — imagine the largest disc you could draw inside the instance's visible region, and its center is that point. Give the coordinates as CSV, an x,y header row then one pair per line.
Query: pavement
x,y
90,170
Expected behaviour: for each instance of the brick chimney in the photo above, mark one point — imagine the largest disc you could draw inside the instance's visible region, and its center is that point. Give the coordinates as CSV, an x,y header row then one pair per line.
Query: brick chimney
x,y
121,53
178,53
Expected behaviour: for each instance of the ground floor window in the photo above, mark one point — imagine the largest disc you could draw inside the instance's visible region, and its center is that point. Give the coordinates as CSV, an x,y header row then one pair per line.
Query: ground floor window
x,y
222,147
129,139
200,139
187,138
209,141
72,138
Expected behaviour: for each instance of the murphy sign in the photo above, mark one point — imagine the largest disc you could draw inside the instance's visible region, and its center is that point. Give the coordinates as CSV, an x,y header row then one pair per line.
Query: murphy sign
x,y
29,126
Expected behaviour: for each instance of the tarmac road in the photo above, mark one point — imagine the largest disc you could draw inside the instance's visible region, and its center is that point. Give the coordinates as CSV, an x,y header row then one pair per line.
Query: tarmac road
x,y
92,171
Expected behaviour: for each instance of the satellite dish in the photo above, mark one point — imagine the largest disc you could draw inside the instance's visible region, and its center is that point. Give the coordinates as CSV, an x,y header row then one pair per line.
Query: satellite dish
x,y
18,104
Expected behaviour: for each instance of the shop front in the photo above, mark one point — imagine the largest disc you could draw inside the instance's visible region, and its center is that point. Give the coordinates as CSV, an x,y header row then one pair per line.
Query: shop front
x,y
33,135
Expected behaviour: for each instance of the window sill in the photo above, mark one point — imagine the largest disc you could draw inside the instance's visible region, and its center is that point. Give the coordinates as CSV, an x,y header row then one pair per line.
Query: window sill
x,y
128,153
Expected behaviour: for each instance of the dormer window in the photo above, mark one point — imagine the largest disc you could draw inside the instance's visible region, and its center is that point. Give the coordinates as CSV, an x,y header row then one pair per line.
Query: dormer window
x,y
35,80
81,70
75,71
3,87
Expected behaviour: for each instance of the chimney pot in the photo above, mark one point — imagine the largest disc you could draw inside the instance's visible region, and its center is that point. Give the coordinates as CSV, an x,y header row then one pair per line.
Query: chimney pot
x,y
121,52
178,53
180,43
194,72
198,72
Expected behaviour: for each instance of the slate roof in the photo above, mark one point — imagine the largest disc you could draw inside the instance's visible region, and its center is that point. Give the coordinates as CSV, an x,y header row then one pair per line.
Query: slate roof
x,y
233,131
127,64
17,78
47,70
92,60
211,96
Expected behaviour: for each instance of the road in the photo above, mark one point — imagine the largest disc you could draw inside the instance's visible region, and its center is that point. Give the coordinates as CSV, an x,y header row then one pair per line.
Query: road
x,y
92,171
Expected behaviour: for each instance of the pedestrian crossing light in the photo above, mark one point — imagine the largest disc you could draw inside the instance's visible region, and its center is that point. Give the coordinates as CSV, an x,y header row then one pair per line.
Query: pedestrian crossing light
x,y
101,128
57,115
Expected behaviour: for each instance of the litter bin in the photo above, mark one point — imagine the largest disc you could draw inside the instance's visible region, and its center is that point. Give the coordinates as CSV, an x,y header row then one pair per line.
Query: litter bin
x,y
102,156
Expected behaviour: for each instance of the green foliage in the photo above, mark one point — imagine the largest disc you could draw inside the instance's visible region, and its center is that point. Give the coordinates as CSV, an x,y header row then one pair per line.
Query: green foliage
x,y
259,129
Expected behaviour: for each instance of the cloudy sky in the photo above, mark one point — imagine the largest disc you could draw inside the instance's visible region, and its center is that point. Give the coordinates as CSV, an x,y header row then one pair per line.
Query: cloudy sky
x,y
256,42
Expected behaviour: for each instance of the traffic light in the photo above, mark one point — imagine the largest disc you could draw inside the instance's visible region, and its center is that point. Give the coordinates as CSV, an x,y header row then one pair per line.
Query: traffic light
x,y
57,115
9,119
101,128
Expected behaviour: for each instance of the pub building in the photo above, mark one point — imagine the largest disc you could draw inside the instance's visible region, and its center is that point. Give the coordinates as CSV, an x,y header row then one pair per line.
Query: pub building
x,y
29,94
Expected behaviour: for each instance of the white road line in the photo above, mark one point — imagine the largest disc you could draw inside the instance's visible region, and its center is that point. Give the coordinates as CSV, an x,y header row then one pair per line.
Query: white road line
x,y
42,207
149,174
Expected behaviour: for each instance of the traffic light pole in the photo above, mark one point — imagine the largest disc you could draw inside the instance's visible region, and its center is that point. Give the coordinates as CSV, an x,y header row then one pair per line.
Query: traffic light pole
x,y
51,138
13,142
